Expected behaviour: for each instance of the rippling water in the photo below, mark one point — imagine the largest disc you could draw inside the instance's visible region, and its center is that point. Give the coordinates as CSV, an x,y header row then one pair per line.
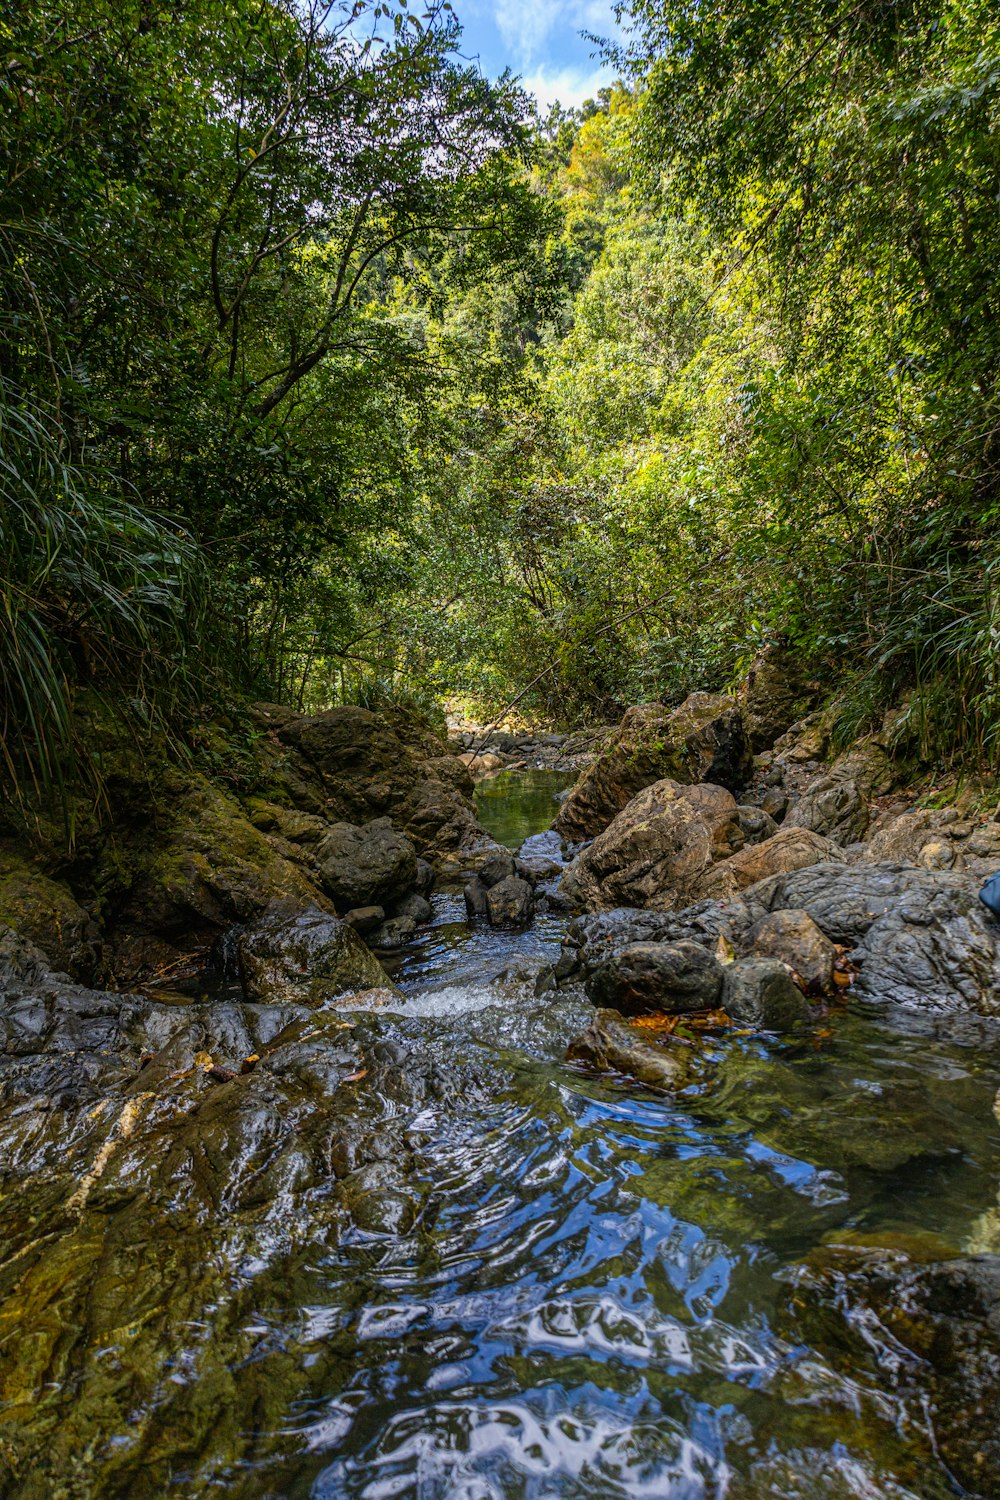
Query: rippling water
x,y
596,1297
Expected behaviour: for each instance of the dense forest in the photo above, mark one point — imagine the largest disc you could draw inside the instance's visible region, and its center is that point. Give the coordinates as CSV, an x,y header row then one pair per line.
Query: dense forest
x,y
330,372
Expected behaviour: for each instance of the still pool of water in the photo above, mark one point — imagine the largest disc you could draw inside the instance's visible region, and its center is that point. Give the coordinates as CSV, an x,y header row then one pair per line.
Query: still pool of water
x,y
596,1299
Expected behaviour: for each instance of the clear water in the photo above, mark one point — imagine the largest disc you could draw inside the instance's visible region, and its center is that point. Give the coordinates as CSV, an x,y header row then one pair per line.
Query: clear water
x,y
516,804
595,1298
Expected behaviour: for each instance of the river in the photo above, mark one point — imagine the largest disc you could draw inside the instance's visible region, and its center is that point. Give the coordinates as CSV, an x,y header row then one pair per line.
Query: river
x,y
601,1294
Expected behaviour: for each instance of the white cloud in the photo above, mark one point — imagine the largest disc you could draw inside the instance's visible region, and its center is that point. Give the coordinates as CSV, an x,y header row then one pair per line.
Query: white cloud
x,y
567,85
527,26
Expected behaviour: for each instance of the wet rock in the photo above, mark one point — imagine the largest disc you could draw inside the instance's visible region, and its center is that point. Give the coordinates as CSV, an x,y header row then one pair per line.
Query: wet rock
x,y
760,992
394,933
370,865
415,906
365,919
611,1046
304,958
423,880
702,740
538,869
669,977
593,939
832,806
510,903
498,865
476,894
775,695
789,849
655,852
794,938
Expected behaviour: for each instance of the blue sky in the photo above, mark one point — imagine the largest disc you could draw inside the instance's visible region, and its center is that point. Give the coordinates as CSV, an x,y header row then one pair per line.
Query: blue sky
x,y
540,41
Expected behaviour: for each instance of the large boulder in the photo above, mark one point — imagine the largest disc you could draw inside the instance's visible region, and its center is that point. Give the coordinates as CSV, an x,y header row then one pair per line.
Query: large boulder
x,y
789,849
760,992
351,765
304,958
656,850
833,806
186,879
776,693
669,977
922,938
595,938
371,865
702,740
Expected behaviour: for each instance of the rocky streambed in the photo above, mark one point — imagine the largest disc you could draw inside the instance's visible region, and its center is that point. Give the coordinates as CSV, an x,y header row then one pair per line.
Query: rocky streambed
x,y
678,1180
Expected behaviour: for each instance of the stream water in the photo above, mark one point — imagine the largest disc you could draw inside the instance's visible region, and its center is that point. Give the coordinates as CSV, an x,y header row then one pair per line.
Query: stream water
x,y
596,1299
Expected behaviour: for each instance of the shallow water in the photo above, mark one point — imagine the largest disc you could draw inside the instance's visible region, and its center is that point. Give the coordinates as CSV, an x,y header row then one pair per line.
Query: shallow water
x,y
594,1300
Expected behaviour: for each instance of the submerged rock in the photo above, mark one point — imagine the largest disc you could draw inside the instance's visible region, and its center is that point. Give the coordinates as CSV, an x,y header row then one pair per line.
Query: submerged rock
x,y
934,1331
611,1046
669,977
702,740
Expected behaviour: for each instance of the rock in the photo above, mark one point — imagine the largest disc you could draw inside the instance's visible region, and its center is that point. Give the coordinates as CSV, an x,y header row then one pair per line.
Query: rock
x,y
593,939
423,881
774,696
371,865
483,764
351,765
936,838
760,992
393,934
45,912
476,894
794,938
656,850
304,958
869,765
365,919
611,1046
702,740
789,849
537,869
498,865
832,806
670,977
775,803
807,740
418,908
922,939
756,824
204,868
510,903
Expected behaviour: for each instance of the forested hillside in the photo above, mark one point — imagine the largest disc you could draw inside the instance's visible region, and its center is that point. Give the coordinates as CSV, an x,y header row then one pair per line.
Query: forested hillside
x,y
330,372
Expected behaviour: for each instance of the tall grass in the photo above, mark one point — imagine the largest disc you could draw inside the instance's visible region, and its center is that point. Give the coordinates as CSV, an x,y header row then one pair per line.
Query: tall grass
x,y
94,592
